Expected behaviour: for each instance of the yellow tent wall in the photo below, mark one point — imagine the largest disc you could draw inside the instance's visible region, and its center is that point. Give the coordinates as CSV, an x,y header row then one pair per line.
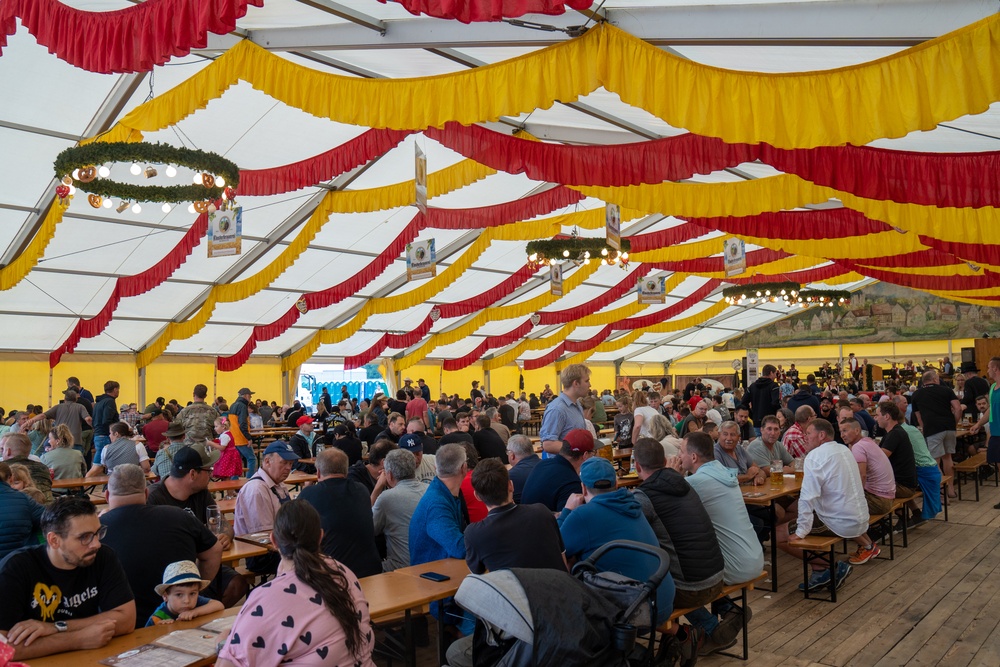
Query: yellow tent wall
x,y
24,378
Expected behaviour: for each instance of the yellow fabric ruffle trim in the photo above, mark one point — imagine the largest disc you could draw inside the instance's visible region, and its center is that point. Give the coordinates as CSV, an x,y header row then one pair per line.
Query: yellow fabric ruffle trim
x,y
945,78
15,272
631,337
439,183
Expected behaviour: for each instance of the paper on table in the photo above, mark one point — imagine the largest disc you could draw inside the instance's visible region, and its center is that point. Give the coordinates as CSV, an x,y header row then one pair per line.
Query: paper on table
x,y
221,625
151,656
198,642
262,538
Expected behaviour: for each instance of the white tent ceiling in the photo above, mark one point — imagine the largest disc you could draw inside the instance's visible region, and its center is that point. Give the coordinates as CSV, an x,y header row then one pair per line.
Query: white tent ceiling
x,y
49,105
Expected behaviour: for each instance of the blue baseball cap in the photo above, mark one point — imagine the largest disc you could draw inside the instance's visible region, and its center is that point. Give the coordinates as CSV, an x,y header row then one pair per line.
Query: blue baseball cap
x,y
598,473
282,449
411,442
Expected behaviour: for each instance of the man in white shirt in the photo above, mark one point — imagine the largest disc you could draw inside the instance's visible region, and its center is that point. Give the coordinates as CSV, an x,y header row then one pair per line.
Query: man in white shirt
x,y
259,499
831,502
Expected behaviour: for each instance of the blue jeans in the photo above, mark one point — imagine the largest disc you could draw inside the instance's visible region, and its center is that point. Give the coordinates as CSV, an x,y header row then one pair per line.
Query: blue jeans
x,y
929,481
246,451
100,442
707,620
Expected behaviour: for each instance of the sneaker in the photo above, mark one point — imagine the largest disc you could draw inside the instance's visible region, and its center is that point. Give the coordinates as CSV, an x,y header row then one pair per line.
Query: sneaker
x,y
863,555
818,579
914,521
843,570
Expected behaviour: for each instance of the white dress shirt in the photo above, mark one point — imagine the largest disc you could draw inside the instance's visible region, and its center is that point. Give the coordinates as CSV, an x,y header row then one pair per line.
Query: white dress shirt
x,y
831,487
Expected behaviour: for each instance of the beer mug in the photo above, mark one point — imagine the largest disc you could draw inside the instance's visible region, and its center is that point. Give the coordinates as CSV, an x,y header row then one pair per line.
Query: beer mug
x,y
797,466
777,474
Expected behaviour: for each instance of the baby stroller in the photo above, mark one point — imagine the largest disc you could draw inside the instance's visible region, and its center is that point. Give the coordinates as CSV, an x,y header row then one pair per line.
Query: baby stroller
x,y
533,617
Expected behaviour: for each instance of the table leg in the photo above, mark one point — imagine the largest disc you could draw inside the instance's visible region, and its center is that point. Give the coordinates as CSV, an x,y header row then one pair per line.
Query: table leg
x,y
442,649
774,547
411,646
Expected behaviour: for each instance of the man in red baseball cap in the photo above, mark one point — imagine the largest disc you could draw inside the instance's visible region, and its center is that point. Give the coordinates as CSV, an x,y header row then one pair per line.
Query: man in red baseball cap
x,y
554,480
302,443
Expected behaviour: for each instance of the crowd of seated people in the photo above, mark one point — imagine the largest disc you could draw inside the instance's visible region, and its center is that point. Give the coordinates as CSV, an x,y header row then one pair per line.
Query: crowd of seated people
x,y
411,481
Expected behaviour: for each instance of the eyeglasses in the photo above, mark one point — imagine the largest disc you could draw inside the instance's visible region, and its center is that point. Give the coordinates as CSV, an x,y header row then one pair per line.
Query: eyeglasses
x,y
86,538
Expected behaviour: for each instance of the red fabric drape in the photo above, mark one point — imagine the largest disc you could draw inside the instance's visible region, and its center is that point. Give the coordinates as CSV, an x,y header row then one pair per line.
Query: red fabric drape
x,y
489,343
323,167
490,296
470,218
127,286
626,324
389,340
924,282
475,11
669,159
133,39
931,179
596,304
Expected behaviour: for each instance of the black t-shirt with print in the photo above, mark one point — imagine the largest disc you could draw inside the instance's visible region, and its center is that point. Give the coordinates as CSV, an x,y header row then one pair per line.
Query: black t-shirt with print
x,y
197,504
35,589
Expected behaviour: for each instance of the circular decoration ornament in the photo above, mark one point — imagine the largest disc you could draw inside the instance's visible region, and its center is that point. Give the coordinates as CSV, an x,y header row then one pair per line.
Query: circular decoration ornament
x,y
576,249
200,206
82,159
95,200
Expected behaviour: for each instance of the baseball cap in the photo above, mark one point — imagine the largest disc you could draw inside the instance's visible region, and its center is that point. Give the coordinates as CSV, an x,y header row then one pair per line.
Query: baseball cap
x,y
340,430
181,572
598,473
283,449
411,442
175,430
304,419
580,440
194,457
244,390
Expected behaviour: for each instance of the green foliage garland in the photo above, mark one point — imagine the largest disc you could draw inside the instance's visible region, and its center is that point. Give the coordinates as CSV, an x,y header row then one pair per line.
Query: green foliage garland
x,y
554,248
98,153
750,290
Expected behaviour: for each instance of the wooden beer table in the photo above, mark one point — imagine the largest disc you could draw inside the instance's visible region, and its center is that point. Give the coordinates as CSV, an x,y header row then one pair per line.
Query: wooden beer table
x,y
766,496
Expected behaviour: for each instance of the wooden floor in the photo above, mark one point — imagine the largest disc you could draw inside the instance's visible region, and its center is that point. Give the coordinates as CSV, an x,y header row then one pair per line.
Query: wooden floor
x,y
938,603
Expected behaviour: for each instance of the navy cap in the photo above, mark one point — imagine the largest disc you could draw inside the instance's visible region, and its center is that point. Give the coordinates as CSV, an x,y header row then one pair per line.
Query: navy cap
x,y
283,449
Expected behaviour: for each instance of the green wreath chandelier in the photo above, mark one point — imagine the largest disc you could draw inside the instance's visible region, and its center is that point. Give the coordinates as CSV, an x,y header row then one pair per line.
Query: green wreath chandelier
x,y
77,168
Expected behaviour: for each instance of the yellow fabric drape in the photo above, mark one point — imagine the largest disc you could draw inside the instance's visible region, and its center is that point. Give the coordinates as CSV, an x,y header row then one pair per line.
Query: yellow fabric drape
x,y
852,247
517,232
595,319
495,314
439,183
945,78
15,272
787,191
629,338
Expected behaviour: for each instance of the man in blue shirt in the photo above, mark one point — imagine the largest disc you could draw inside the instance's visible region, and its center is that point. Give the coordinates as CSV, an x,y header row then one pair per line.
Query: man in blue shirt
x,y
603,513
563,413
437,526
554,480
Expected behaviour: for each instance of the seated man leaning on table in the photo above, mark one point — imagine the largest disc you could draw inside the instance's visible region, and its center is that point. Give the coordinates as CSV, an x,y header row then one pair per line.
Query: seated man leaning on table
x,y
831,502
121,450
438,524
187,488
69,593
260,498
742,554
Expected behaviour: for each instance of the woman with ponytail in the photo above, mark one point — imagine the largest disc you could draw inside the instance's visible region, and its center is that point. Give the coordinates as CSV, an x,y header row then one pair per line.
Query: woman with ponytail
x,y
312,613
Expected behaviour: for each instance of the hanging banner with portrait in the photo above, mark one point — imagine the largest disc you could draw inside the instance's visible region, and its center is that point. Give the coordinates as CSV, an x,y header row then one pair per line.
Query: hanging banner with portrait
x,y
225,232
421,260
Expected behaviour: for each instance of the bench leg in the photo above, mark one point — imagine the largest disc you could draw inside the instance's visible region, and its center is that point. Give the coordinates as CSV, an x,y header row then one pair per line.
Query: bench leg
x,y
975,479
833,576
746,628
828,557
902,518
774,547
944,493
959,478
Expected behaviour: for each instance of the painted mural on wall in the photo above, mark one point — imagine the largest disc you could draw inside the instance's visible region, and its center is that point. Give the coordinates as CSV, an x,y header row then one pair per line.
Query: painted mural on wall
x,y
879,313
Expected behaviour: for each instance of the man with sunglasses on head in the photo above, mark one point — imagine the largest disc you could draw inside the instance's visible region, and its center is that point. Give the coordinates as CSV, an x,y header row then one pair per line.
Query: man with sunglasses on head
x,y
69,593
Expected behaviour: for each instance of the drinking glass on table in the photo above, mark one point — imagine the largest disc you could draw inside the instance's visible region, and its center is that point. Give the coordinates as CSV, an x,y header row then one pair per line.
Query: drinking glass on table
x,y
797,467
777,474
213,517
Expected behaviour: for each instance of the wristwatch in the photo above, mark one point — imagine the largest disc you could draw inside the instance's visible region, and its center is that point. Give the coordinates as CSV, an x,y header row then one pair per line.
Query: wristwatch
x,y
61,626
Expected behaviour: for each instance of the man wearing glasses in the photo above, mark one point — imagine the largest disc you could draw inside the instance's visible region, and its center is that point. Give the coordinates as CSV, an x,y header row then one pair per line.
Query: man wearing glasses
x,y
69,593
